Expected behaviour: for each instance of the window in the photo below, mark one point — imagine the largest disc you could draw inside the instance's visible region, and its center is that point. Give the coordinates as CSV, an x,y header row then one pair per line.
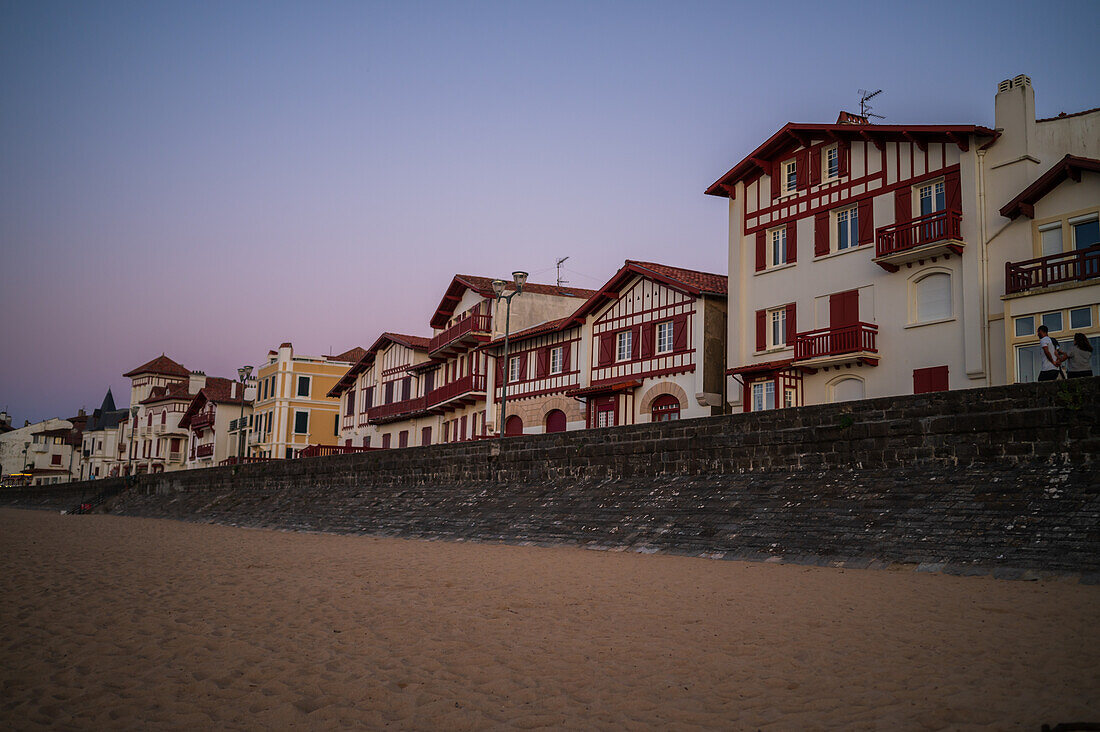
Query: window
x,y
513,368
1086,231
403,438
932,297
386,442
931,198
513,426
1079,318
847,228
624,341
301,423
1053,321
777,331
832,162
763,395
555,421
1050,239
557,365
777,249
303,386
1025,326
664,337
666,408
790,176
56,459
605,418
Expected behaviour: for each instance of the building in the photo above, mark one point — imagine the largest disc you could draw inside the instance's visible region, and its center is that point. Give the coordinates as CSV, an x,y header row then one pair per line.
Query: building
x,y
648,346
217,420
864,257
46,452
292,409
101,447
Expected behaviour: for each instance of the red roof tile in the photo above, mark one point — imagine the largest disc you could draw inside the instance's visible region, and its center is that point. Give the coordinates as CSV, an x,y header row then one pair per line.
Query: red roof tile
x,y
548,327
484,287
705,283
161,365
417,343
691,281
349,356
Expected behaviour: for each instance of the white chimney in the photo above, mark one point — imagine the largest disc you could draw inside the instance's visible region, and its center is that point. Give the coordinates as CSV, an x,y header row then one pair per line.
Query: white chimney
x,y
1015,119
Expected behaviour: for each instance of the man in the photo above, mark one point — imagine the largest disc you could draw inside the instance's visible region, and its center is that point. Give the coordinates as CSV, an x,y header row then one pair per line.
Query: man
x,y
1049,371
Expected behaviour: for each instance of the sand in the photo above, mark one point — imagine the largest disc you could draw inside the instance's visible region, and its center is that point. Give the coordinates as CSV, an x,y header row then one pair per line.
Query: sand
x,y
110,622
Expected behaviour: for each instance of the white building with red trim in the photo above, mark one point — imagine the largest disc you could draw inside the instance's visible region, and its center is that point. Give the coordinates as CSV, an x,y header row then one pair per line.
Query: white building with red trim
x,y
216,418
863,256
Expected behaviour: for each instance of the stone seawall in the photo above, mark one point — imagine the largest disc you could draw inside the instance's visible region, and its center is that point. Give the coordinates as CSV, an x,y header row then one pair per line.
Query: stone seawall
x,y
1004,477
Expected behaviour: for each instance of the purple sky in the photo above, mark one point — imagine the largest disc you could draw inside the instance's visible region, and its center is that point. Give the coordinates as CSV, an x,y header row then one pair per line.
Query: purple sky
x,y
210,179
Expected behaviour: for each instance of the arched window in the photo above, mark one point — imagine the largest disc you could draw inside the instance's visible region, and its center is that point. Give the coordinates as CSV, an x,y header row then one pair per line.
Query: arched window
x,y
932,297
846,390
164,416
665,408
514,426
555,421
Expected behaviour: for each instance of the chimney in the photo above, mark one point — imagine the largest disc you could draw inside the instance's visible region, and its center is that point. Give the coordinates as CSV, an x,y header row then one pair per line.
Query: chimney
x,y
1015,119
198,381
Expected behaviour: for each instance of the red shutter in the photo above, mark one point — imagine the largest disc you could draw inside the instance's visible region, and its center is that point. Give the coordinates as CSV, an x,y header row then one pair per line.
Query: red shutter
x,y
821,234
500,370
635,342
903,206
801,170
791,328
761,250
761,330
952,191
776,171
815,167
566,364
522,367
844,157
680,333
792,241
542,363
866,215
929,379
647,340
607,349
843,309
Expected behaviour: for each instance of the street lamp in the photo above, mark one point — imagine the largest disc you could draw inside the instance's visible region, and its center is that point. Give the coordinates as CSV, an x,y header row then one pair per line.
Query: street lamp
x,y
520,278
26,446
133,445
244,372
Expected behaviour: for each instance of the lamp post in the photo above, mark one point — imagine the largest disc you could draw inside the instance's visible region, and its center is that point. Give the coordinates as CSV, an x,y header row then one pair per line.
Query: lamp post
x,y
244,372
520,279
132,446
26,446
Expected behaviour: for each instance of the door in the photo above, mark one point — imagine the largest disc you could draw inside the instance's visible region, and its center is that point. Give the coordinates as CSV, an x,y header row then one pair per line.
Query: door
x,y
555,421
843,319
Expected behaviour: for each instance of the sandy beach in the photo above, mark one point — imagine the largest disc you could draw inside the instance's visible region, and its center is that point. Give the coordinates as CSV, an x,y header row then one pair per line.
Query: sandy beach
x,y
109,623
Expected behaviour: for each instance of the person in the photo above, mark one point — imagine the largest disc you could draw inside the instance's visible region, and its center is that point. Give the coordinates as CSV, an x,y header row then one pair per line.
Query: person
x,y
1078,357
1051,367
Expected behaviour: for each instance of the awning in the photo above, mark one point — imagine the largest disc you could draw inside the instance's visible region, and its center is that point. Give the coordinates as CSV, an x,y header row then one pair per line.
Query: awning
x,y
608,387
763,367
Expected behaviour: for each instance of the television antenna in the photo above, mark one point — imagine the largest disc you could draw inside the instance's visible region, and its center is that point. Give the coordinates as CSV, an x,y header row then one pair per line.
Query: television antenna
x,y
559,264
865,108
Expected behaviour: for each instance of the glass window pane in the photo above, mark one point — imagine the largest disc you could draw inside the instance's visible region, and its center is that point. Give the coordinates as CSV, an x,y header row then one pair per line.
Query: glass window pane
x,y
1025,326
1028,363
1051,240
1053,321
1080,318
1086,234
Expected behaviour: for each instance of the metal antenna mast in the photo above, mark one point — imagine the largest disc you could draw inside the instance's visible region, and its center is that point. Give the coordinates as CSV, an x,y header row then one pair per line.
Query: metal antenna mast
x,y
560,280
865,108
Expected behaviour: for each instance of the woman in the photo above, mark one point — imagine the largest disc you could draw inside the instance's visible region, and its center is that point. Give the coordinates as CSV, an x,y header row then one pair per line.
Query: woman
x,y
1078,356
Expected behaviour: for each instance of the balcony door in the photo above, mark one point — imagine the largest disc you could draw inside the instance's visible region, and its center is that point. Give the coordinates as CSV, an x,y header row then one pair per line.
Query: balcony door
x,y
843,317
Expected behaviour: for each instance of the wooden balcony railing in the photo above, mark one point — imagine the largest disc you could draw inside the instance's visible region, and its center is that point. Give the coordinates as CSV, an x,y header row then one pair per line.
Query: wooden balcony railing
x,y
240,461
466,384
326,450
922,230
204,450
470,324
201,420
396,409
835,341
1054,269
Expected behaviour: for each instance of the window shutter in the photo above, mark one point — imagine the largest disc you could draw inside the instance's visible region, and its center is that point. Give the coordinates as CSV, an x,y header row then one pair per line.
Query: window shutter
x,y
866,215
821,234
775,174
815,167
903,206
930,379
792,241
542,364
406,388
791,328
647,340
522,367
952,191
801,170
566,364
500,370
761,250
844,157
635,341
607,349
761,330
680,333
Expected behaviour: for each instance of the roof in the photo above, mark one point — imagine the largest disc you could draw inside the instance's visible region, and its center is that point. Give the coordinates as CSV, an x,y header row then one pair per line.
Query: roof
x,y
218,391
761,367
484,287
416,343
349,356
549,326
690,281
794,135
108,404
605,387
1063,115
160,365
1070,166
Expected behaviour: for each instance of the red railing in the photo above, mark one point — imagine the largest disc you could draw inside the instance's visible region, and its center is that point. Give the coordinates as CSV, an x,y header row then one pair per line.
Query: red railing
x,y
469,324
204,450
348,422
835,341
246,460
922,230
202,419
326,450
1054,269
468,383
405,406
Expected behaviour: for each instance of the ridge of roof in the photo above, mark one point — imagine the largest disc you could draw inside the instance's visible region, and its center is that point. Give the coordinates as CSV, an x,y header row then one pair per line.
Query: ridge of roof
x,y
161,365
484,287
1063,115
350,356
706,282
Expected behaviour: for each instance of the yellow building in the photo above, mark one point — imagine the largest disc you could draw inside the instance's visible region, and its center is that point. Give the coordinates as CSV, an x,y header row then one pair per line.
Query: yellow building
x,y
292,410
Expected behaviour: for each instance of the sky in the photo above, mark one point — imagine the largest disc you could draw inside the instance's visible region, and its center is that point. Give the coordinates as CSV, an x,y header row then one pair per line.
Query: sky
x,y
209,180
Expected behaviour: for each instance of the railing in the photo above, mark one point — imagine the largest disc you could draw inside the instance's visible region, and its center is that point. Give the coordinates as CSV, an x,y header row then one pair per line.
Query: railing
x,y
348,422
1054,269
470,324
202,419
468,383
922,230
326,450
175,457
245,460
405,406
255,438
204,450
835,341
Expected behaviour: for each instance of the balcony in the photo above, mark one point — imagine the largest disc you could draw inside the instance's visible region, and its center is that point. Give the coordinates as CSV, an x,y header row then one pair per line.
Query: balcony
x,y
204,451
202,420
466,390
255,438
348,422
39,447
937,234
397,410
470,330
837,346
1055,269
175,456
